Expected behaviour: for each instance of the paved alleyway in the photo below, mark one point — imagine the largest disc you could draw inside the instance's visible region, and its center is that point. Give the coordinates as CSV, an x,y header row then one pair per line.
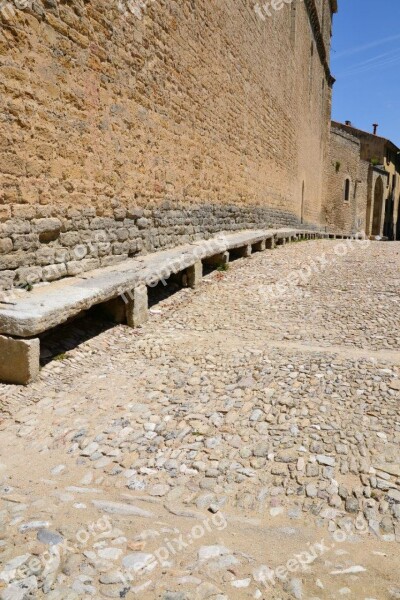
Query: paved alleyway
x,y
243,444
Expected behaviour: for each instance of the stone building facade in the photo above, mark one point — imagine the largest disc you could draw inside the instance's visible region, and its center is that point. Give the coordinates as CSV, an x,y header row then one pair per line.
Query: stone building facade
x,y
347,181
127,127
377,188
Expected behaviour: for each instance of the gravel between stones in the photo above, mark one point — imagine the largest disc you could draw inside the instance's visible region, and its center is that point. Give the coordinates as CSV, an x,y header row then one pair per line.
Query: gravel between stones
x,y
192,458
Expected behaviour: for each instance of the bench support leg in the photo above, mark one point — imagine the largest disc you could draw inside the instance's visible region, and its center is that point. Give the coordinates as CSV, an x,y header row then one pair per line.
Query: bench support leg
x,y
194,274
19,360
137,308
259,246
218,260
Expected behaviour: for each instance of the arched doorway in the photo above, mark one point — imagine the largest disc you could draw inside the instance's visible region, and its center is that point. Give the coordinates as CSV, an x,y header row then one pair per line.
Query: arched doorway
x,y
398,221
378,208
368,219
388,229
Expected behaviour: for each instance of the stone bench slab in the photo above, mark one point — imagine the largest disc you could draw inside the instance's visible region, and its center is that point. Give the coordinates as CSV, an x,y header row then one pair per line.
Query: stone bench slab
x,y
27,314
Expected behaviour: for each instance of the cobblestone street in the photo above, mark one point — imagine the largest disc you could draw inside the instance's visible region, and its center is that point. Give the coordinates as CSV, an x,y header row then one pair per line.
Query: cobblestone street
x,y
244,443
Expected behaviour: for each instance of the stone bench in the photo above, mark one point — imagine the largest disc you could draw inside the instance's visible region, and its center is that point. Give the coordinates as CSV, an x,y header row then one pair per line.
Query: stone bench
x,y
121,289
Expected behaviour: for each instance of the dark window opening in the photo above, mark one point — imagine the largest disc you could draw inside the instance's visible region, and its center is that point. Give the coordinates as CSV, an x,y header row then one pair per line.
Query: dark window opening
x,y
347,190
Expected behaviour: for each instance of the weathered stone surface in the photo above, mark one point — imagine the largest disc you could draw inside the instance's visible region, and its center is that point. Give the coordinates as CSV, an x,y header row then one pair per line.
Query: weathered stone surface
x,y
118,508
390,468
394,494
194,274
50,538
29,276
5,245
6,281
19,360
137,307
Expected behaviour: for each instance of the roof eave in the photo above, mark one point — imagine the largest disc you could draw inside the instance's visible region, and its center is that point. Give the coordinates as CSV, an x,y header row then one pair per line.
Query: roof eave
x,y
369,133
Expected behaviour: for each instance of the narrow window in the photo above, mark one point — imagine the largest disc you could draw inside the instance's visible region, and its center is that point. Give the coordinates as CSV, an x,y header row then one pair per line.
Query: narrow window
x,y
347,190
311,71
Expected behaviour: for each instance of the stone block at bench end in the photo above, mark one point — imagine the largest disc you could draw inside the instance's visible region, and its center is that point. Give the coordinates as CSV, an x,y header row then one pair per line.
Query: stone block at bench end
x,y
194,274
137,307
19,360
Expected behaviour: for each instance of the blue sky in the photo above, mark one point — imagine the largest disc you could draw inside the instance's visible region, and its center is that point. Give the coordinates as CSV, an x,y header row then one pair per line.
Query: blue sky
x,y
366,63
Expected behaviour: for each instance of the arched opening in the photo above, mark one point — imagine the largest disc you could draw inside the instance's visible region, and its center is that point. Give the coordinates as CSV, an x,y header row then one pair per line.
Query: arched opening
x,y
368,215
377,216
388,229
347,190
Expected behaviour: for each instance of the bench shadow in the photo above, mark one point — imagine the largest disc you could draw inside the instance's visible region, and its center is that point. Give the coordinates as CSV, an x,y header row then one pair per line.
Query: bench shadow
x,y
164,289
55,342
85,326
209,268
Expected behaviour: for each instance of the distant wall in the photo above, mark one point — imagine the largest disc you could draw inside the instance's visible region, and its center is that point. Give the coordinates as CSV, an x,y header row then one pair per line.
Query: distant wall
x,y
384,155
346,171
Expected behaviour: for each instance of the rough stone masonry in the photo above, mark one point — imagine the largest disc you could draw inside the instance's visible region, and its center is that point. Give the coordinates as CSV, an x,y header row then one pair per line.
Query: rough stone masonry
x,y
124,132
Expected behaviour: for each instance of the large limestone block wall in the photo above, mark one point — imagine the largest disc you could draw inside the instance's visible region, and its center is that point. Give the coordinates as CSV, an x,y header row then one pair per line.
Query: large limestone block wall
x,y
127,126
345,164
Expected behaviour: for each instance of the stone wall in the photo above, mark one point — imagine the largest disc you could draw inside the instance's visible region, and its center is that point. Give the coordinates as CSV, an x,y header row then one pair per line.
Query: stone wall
x,y
345,165
126,130
384,154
